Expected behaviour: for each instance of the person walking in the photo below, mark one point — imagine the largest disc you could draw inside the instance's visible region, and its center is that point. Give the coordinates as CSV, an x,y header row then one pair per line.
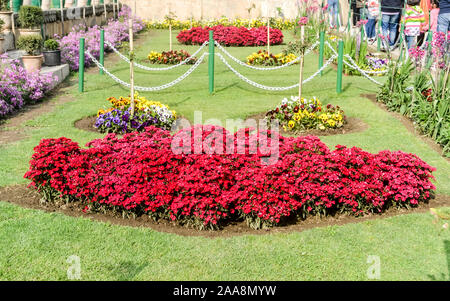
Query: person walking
x,y
373,7
390,19
333,10
357,8
414,20
443,23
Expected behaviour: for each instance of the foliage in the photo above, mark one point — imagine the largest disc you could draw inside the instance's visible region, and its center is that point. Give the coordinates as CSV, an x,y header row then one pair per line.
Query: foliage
x,y
18,87
424,97
32,44
278,23
188,178
263,58
170,57
304,114
30,16
1,25
118,119
4,5
116,32
231,36
51,45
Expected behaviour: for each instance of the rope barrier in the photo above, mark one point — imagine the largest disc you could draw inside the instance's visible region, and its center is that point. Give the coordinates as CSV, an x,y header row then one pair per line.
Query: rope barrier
x,y
264,68
138,88
123,57
270,88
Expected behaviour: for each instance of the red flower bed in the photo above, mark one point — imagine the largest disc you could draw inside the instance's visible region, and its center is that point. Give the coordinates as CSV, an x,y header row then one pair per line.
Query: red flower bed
x,y
249,176
231,36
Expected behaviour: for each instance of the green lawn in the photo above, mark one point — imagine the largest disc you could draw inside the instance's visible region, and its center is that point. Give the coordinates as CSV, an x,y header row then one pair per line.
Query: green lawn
x,y
35,245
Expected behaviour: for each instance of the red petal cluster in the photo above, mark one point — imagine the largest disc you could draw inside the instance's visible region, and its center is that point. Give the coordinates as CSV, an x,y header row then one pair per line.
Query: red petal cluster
x,y
208,175
231,36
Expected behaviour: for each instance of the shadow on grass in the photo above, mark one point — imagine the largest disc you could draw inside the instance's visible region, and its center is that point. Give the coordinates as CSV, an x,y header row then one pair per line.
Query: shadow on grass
x,y
126,270
442,276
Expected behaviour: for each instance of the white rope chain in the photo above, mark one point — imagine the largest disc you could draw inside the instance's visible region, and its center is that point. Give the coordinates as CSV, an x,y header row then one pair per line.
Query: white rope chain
x,y
242,77
123,57
138,88
355,66
263,68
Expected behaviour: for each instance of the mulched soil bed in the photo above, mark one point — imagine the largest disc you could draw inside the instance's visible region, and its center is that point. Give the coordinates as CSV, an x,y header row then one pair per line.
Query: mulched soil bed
x,y
29,198
409,124
353,125
87,124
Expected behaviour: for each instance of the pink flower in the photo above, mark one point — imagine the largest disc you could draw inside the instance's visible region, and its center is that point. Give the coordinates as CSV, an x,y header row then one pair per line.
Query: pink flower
x,y
303,21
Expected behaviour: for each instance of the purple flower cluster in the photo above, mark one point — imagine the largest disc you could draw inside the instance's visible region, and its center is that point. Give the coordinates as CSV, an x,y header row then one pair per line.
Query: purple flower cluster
x,y
18,87
116,32
120,121
376,63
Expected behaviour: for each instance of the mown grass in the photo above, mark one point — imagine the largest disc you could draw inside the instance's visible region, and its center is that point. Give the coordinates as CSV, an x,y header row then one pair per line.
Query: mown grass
x,y
35,245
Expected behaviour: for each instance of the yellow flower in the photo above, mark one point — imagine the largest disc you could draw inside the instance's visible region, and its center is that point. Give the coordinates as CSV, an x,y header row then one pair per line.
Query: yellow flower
x,y
297,117
331,122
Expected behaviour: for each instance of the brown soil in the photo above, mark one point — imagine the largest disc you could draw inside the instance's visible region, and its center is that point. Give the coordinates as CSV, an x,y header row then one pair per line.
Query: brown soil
x,y
408,123
29,198
87,124
353,125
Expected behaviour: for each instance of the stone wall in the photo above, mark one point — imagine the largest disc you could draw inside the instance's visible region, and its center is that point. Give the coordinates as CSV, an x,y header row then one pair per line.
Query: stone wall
x,y
211,9
72,17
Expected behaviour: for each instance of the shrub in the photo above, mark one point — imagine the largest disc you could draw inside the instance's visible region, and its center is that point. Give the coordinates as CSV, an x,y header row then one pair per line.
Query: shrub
x,y
304,114
231,36
263,58
30,16
18,87
51,45
170,57
1,25
4,5
32,44
117,119
188,178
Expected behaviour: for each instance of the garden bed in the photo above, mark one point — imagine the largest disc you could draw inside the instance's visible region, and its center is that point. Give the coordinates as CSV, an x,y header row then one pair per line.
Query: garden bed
x,y
409,125
353,125
30,198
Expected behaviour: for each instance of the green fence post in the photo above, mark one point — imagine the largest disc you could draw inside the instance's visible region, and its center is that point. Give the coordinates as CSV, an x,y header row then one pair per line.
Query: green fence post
x,y
211,62
340,66
402,29
379,32
16,5
81,67
102,50
321,46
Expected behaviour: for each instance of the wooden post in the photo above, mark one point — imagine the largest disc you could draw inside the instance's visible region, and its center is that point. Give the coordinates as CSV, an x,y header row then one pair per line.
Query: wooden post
x,y
13,25
211,62
81,67
132,104
300,81
170,35
114,9
93,8
61,6
268,35
340,66
104,8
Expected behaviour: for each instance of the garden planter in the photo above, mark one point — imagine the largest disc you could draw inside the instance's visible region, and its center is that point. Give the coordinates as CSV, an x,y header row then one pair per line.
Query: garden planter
x,y
1,44
32,62
29,32
52,57
6,17
45,4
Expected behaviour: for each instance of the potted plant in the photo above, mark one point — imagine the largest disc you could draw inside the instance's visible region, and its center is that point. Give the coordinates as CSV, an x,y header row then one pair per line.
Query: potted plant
x,y
52,53
5,15
32,44
30,19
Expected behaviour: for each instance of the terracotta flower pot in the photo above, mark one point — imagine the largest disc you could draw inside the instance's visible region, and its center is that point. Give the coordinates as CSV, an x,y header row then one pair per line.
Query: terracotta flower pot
x,y
6,17
32,63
